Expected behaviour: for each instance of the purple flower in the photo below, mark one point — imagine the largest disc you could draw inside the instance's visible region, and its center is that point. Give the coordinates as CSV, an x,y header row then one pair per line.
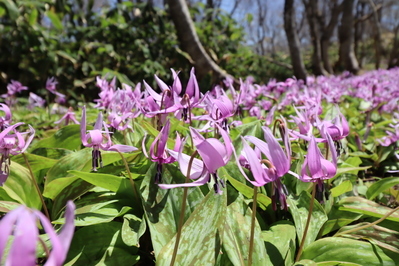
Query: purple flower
x,y
35,101
51,84
6,119
98,139
158,152
21,223
268,170
69,116
12,142
214,154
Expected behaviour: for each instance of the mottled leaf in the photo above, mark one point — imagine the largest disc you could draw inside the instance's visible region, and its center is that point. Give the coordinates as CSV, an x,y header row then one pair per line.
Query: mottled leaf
x,y
201,232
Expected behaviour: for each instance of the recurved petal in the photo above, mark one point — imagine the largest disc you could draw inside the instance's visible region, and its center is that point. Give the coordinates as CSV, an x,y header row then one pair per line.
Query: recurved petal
x,y
212,152
122,148
197,166
199,182
23,249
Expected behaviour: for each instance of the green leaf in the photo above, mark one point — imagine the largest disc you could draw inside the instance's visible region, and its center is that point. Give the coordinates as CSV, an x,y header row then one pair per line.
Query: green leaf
x,y
338,218
55,20
20,187
342,188
101,244
381,236
280,243
12,9
36,162
97,213
299,208
70,58
67,137
110,182
367,207
201,232
79,161
162,207
380,186
349,250
131,229
236,235
6,206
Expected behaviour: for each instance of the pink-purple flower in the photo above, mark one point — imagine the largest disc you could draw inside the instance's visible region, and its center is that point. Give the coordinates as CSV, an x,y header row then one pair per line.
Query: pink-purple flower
x,y
21,224
99,139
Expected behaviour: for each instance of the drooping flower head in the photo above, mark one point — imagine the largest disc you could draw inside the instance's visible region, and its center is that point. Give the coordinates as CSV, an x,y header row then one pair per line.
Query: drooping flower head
x,y
5,120
68,117
99,139
21,223
12,142
214,154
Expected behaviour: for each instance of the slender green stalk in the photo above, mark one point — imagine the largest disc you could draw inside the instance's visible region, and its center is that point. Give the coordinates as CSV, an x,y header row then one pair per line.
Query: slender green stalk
x,y
183,210
251,240
367,225
136,195
298,256
36,186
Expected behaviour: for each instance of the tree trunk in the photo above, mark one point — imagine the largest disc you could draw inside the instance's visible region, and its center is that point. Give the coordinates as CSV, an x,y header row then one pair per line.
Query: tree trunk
x,y
293,40
190,42
311,9
327,32
347,59
394,55
377,34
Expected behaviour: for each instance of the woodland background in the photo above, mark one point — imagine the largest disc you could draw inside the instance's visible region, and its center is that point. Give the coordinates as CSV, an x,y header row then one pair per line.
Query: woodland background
x,y
77,40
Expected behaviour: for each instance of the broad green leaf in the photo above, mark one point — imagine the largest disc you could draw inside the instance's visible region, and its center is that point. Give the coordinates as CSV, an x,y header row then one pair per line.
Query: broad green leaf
x,y
97,213
280,243
12,9
162,207
79,161
36,162
380,186
20,187
101,244
61,190
67,137
338,218
342,188
55,20
110,182
367,207
299,208
6,206
201,232
338,263
306,263
236,235
349,250
131,229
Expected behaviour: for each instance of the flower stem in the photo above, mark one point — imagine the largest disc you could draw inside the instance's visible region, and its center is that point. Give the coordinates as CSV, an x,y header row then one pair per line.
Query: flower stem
x,y
136,195
36,186
251,240
307,223
183,210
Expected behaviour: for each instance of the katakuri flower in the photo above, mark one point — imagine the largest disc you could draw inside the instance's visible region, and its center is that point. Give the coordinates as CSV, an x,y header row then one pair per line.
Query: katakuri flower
x,y
21,223
12,142
214,154
99,139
